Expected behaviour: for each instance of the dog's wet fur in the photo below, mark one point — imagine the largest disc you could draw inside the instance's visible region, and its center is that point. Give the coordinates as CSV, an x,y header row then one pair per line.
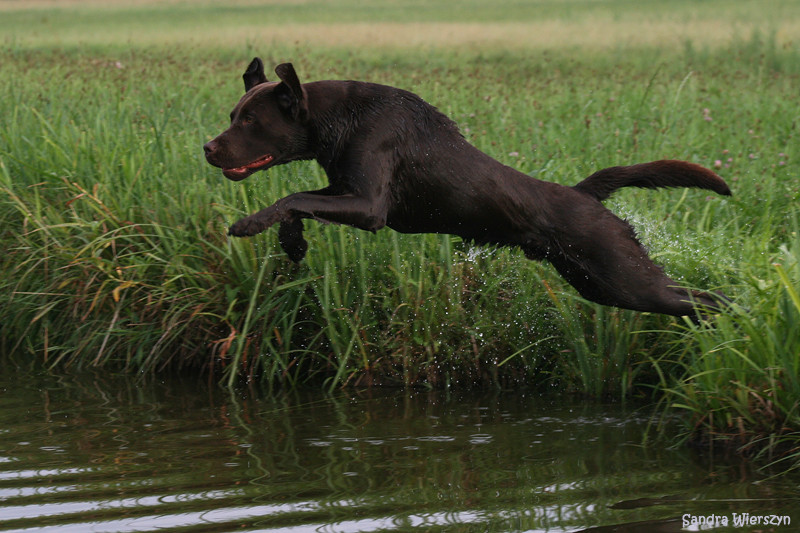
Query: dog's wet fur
x,y
394,160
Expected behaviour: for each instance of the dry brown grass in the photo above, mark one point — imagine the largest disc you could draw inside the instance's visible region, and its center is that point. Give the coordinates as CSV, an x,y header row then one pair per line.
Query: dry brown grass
x,y
527,35
534,35
599,28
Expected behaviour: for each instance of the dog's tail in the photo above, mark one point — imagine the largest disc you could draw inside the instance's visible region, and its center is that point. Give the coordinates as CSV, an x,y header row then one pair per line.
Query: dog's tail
x,y
664,173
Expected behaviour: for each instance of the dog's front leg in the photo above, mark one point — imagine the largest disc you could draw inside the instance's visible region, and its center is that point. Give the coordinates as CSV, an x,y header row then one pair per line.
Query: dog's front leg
x,y
352,210
257,222
290,237
290,231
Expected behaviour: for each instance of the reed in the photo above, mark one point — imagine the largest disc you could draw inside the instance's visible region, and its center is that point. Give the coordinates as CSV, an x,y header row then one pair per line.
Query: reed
x,y
741,376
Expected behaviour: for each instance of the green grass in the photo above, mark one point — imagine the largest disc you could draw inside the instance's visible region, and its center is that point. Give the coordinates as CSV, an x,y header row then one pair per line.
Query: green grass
x,y
113,225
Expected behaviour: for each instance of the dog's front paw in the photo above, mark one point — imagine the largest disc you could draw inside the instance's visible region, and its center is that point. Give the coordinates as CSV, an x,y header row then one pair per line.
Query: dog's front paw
x,y
256,223
290,237
246,227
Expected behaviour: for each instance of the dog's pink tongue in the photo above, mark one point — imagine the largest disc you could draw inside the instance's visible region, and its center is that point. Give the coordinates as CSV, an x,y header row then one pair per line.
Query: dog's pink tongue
x,y
235,172
255,164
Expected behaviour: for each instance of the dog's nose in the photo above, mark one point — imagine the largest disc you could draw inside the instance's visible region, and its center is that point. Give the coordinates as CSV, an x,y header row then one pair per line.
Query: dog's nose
x,y
210,147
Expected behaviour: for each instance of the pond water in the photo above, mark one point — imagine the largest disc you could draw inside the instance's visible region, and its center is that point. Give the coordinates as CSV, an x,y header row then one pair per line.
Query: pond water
x,y
110,453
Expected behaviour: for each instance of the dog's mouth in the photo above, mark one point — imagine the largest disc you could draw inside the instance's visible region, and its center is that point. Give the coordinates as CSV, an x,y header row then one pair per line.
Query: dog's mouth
x,y
240,173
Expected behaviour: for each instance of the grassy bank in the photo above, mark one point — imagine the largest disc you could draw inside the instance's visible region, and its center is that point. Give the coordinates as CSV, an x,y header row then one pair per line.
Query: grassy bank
x,y
113,225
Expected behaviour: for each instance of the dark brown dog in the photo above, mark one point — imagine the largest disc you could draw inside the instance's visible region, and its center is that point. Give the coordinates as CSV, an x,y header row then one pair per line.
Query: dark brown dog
x,y
394,160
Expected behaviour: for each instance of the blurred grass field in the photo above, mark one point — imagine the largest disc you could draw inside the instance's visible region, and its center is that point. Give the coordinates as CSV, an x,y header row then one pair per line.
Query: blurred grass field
x,y
473,24
114,226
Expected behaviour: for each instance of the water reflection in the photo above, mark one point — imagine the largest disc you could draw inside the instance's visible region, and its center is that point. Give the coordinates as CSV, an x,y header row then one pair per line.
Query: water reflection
x,y
113,454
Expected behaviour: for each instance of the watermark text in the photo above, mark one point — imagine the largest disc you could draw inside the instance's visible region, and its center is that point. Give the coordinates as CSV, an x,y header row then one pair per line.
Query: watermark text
x,y
734,519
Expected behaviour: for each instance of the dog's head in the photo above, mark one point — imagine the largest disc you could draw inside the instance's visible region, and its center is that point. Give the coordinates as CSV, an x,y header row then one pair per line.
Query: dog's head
x,y
269,125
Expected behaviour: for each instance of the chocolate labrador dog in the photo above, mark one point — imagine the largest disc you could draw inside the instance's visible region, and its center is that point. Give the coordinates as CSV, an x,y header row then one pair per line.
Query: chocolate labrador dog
x,y
394,160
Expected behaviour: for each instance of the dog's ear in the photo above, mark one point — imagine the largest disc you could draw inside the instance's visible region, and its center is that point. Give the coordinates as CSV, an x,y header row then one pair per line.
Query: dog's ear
x,y
254,75
290,93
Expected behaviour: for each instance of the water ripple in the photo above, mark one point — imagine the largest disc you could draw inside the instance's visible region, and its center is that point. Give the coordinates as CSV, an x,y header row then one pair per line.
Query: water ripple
x,y
126,458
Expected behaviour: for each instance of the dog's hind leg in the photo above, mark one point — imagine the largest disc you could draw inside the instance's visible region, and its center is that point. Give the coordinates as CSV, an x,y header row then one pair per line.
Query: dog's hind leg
x,y
609,266
645,288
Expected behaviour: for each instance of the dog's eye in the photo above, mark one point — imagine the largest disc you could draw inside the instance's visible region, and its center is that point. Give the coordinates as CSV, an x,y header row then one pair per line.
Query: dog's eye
x,y
248,119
